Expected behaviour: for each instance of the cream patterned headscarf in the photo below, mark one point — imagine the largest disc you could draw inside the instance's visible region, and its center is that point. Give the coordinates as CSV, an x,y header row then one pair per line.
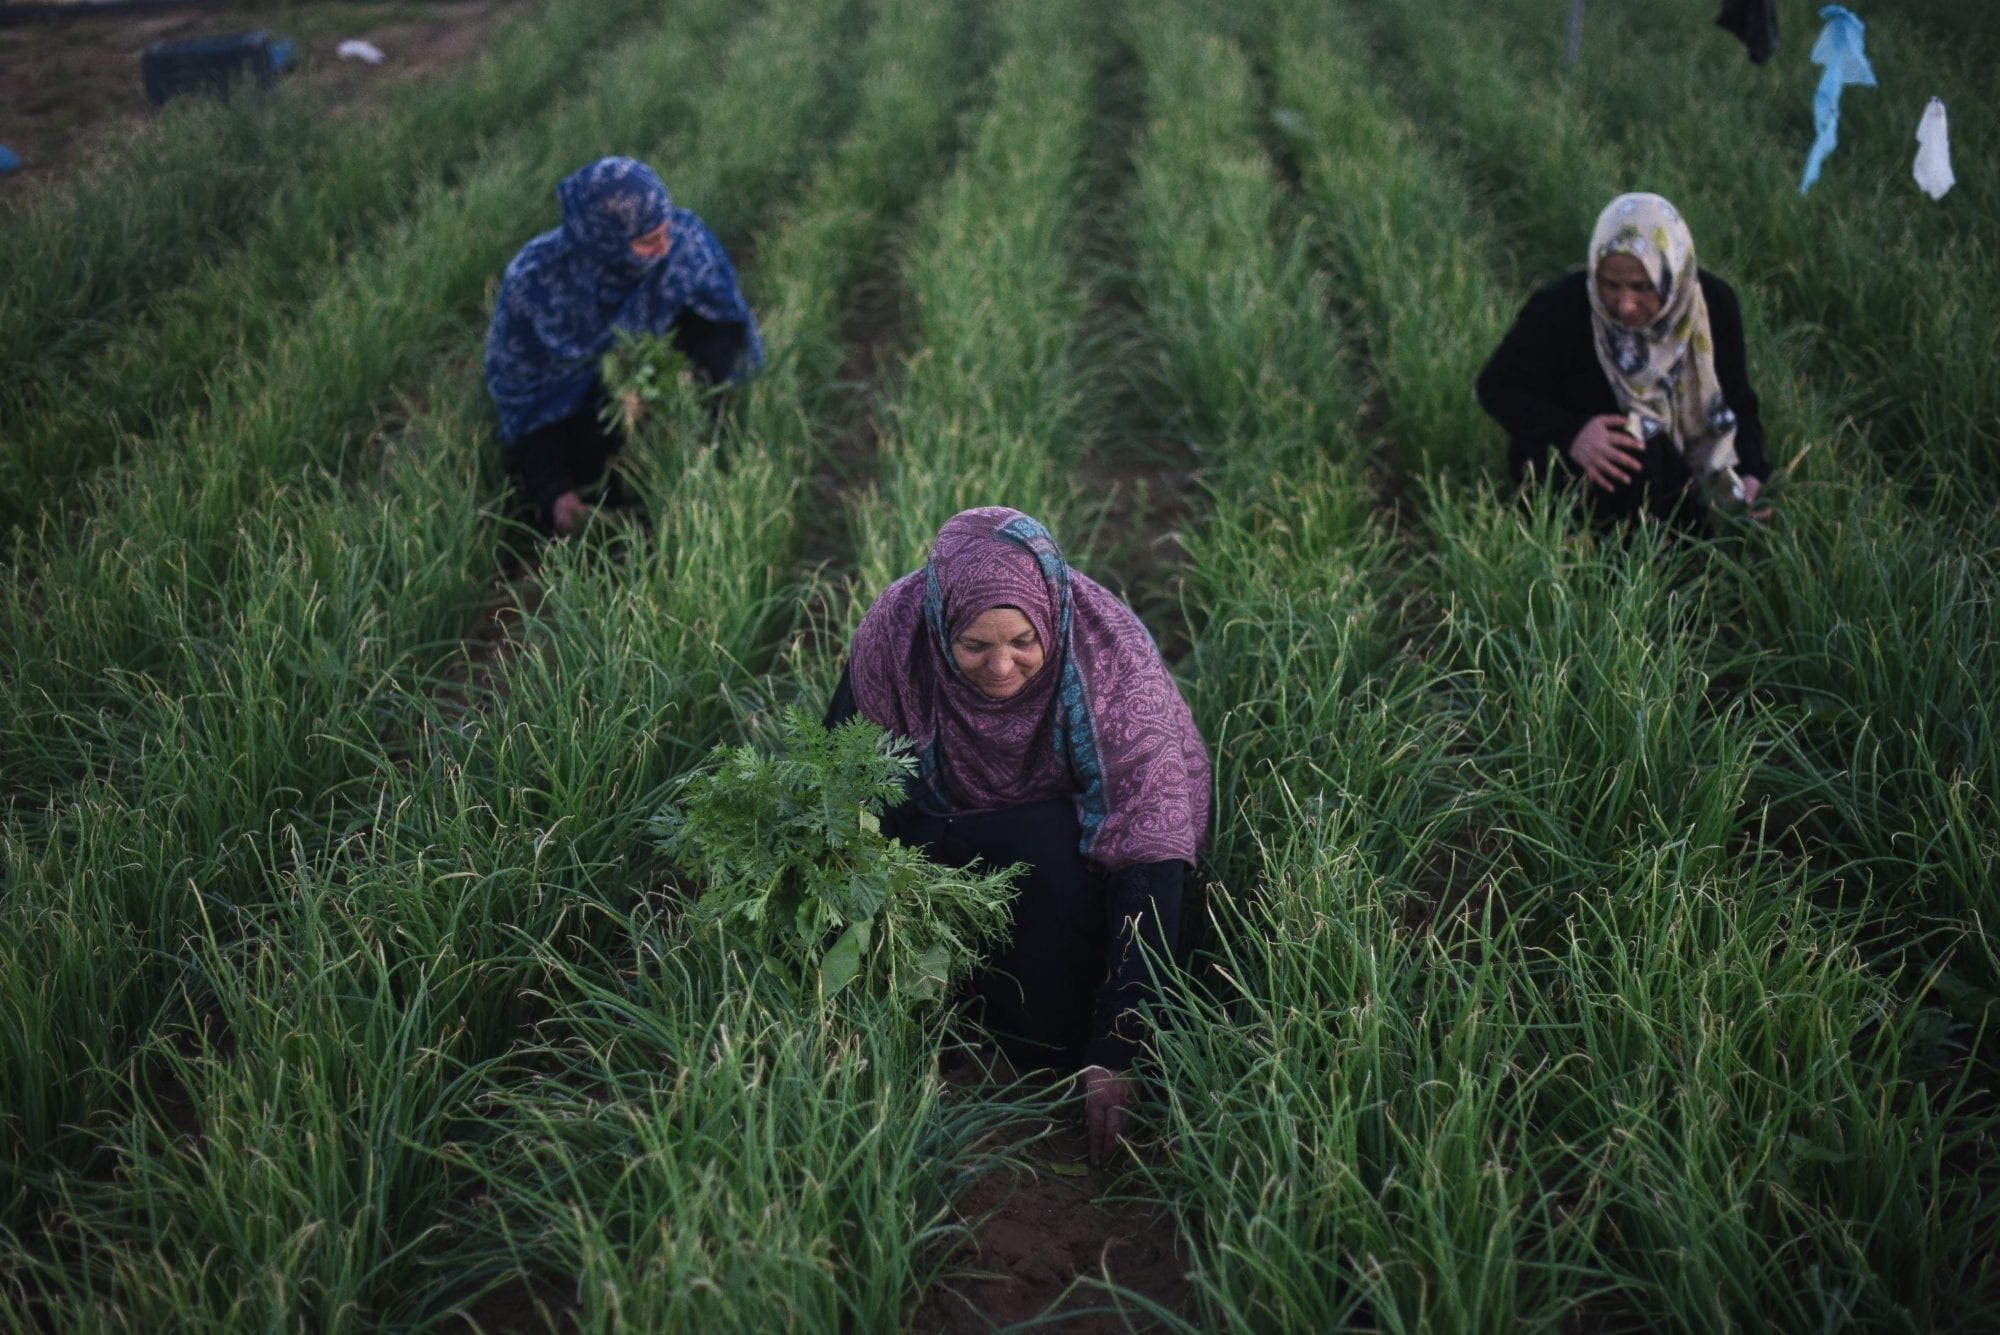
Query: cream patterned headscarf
x,y
1664,374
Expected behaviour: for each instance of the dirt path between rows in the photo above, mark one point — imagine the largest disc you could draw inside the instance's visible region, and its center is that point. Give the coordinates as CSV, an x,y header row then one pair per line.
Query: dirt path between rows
x,y
1053,1241
1047,1240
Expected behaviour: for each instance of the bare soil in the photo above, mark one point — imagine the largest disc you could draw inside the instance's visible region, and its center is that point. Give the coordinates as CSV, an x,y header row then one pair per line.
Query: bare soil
x,y
872,334
1046,1240
71,88
1041,1236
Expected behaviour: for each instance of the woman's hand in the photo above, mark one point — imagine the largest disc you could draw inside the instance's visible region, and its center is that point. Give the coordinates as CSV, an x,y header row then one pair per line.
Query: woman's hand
x,y
1752,486
1606,451
1106,1094
567,512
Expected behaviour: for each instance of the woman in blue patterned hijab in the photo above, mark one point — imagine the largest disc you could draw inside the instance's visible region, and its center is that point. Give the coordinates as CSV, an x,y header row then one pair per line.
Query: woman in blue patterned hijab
x,y
623,258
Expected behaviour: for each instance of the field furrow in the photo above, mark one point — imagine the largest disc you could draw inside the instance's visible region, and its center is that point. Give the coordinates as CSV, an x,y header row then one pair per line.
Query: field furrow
x,y
992,404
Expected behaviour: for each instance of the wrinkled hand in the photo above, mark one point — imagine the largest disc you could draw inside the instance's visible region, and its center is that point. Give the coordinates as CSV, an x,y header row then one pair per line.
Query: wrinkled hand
x,y
567,512
1606,451
1106,1095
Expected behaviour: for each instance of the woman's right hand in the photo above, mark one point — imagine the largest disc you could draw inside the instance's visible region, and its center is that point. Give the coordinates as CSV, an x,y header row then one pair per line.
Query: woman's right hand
x,y
1606,451
1106,1096
567,512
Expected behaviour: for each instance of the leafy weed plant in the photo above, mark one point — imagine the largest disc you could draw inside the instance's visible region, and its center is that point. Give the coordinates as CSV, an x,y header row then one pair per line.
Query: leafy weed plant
x,y
790,848
641,373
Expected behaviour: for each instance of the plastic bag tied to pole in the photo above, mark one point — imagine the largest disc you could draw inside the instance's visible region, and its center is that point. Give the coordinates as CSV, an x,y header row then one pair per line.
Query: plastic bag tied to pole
x,y
1839,50
1933,165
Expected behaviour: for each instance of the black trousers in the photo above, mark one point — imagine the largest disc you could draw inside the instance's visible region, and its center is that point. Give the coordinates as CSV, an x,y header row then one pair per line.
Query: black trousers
x,y
1038,993
1066,988
573,453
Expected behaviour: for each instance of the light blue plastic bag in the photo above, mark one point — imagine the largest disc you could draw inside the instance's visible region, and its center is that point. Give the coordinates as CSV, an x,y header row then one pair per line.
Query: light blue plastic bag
x,y
1839,49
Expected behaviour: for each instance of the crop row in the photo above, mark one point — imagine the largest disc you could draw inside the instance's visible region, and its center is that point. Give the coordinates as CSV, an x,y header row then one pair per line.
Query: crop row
x,y
1520,994
166,881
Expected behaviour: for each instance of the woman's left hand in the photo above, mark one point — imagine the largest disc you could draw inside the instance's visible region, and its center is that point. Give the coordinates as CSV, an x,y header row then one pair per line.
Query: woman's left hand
x,y
1106,1095
1751,487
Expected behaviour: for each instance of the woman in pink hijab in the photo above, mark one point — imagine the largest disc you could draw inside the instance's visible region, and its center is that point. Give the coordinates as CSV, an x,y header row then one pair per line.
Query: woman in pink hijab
x,y
1049,732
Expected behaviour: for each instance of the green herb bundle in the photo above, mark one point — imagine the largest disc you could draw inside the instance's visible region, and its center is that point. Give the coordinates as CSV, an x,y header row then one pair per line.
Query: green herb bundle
x,y
641,372
789,849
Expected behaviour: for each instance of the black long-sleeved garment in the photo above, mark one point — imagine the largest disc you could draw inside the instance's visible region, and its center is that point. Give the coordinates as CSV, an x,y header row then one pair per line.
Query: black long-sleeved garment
x,y
1544,382
1066,988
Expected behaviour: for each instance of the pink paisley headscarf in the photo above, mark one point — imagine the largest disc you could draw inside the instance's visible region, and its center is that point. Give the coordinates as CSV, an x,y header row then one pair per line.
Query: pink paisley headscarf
x,y
1102,721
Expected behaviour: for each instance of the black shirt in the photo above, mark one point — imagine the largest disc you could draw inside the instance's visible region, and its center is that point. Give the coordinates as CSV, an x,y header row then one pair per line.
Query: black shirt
x,y
1544,382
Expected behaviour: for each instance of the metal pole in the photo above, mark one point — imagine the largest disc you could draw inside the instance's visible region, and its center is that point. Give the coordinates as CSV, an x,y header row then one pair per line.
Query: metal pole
x,y
1573,48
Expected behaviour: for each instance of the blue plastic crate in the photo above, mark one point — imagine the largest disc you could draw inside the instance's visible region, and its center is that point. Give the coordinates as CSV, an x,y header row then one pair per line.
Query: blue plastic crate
x,y
212,64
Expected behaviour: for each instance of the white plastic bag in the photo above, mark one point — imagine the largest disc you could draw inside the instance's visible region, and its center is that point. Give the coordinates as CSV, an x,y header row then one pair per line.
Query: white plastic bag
x,y
1933,166
356,49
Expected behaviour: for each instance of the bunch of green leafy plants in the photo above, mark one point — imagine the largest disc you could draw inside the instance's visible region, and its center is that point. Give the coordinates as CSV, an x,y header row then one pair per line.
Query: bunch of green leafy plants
x,y
641,374
788,850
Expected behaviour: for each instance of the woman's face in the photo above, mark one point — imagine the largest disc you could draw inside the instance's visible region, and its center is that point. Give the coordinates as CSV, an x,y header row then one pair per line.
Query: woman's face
x,y
998,652
651,245
1627,291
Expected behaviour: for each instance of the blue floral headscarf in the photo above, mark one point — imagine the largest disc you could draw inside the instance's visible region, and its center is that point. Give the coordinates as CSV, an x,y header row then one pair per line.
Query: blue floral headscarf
x,y
569,290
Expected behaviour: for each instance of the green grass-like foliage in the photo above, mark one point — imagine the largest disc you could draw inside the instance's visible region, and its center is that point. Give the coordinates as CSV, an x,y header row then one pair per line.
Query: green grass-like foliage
x,y
789,849
640,373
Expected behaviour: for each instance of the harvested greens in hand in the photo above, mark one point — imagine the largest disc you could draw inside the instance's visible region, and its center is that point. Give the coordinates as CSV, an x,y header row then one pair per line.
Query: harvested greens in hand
x,y
788,850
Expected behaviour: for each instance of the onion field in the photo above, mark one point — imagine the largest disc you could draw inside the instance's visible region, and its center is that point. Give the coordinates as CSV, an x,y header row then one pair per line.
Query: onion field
x,y
1600,931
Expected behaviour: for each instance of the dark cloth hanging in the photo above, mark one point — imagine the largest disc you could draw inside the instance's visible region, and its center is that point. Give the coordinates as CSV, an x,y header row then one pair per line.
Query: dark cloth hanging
x,y
1756,22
